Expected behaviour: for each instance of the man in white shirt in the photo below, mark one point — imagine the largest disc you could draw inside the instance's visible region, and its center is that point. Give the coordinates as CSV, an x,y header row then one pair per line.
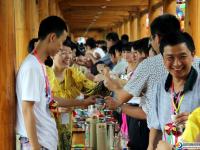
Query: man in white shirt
x,y
36,127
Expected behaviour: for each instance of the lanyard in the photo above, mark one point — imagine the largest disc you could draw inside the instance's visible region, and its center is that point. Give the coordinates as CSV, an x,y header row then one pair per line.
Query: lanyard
x,y
175,109
47,87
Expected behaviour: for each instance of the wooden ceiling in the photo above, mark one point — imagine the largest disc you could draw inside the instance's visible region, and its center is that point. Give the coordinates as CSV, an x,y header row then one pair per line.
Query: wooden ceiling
x,y
84,15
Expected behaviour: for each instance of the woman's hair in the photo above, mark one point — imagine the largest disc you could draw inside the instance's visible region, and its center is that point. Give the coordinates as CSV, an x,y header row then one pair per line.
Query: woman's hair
x,y
31,44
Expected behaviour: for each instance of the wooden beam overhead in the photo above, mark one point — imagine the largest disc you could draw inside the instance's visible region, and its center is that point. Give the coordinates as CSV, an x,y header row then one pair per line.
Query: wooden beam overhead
x,y
103,2
99,8
87,14
94,12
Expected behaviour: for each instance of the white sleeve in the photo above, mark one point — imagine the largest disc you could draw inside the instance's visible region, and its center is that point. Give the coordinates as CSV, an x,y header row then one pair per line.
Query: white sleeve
x,y
139,80
31,81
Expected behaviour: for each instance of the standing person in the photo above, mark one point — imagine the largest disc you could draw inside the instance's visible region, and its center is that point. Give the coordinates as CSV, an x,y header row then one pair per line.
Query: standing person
x,y
111,39
149,71
177,94
36,127
67,81
93,52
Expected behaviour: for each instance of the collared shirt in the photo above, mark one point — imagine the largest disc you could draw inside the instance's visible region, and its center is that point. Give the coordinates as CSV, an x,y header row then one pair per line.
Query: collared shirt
x,y
149,72
161,100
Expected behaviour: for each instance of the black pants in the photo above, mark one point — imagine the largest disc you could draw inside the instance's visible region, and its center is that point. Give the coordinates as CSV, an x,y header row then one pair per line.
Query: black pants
x,y
138,133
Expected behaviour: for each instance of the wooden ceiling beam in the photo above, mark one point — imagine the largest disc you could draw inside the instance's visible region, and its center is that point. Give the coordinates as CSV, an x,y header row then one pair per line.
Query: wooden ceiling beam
x,y
98,8
94,12
103,2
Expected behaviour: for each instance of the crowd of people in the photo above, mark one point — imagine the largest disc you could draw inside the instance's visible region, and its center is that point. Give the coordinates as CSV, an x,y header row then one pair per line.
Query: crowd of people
x,y
154,83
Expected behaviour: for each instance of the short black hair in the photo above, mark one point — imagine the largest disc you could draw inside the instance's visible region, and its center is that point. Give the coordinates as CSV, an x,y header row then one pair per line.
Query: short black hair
x,y
112,36
31,44
68,43
91,43
142,46
177,38
124,38
117,47
51,24
164,25
128,46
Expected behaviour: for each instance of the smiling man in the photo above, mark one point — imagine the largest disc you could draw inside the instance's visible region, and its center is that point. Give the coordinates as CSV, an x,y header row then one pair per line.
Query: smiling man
x,y
178,93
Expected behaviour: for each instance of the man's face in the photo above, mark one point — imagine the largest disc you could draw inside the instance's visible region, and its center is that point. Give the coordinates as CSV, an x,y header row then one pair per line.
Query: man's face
x,y
56,43
178,60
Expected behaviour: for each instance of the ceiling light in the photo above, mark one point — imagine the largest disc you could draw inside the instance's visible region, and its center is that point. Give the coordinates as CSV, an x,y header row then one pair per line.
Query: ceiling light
x,y
108,0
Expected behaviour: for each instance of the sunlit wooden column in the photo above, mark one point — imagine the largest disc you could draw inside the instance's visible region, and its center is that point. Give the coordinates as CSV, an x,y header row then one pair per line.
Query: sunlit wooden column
x,y
122,29
192,22
131,29
52,7
125,27
31,18
43,9
155,9
169,6
7,75
143,28
21,32
136,28
128,26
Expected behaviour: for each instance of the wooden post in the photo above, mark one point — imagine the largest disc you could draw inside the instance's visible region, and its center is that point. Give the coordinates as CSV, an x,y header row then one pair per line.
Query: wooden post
x,y
131,29
31,18
7,75
169,6
192,21
21,32
43,9
126,27
136,28
144,30
52,7
122,29
155,9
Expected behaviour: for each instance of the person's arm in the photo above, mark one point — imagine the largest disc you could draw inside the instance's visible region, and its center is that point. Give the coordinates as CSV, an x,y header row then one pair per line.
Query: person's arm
x,y
71,103
154,137
114,104
136,84
133,111
29,120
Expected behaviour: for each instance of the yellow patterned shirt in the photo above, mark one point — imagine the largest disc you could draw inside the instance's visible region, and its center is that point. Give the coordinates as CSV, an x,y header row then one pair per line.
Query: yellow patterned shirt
x,y
72,85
